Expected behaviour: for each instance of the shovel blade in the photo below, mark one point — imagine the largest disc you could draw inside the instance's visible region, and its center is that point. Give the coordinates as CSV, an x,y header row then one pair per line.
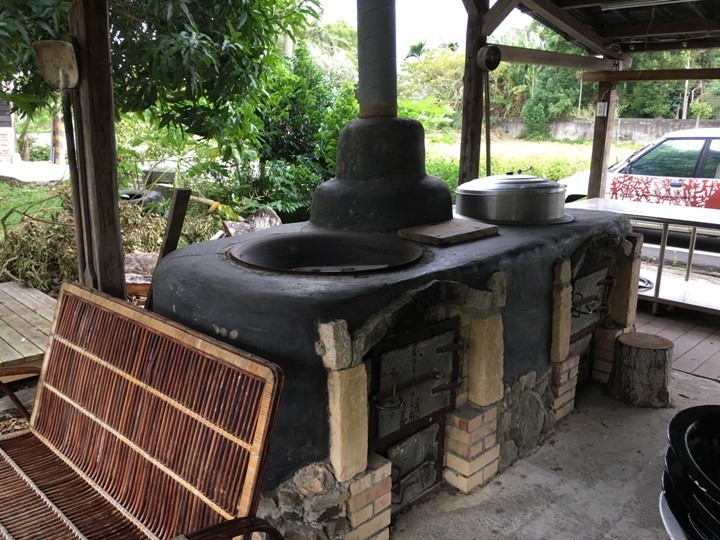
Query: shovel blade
x,y
57,63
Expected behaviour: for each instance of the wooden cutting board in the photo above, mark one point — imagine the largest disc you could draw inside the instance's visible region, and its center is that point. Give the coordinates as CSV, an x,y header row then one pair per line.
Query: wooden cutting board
x,y
449,232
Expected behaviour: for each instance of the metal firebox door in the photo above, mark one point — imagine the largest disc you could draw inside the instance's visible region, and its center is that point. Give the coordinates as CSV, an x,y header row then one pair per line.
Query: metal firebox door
x,y
413,382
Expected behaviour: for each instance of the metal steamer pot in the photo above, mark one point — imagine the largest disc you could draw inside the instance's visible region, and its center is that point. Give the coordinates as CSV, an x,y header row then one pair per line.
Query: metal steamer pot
x,y
513,199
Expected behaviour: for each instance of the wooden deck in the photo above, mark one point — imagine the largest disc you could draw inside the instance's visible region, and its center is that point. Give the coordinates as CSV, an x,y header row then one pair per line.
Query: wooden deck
x,y
696,338
25,319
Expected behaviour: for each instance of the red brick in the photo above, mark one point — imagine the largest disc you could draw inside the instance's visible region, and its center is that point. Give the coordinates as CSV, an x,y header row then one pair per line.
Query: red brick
x,y
368,496
382,503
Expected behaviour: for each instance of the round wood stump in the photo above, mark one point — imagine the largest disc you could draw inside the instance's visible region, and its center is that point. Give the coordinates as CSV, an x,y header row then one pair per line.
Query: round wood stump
x,y
641,370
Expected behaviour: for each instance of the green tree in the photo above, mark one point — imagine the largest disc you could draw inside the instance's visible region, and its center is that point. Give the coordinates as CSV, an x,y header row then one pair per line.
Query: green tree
x,y
333,47
188,63
435,74
556,91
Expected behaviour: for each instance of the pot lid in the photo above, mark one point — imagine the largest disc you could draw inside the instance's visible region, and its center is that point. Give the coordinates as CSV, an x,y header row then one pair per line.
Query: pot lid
x,y
508,183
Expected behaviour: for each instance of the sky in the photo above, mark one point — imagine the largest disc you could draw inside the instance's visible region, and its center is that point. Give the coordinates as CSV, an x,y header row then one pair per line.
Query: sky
x,y
431,21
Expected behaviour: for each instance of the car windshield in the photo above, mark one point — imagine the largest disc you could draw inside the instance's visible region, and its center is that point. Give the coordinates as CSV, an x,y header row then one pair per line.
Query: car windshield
x,y
674,157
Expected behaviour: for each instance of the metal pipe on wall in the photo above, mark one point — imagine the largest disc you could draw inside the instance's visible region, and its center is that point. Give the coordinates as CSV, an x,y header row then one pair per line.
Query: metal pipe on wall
x,y
377,58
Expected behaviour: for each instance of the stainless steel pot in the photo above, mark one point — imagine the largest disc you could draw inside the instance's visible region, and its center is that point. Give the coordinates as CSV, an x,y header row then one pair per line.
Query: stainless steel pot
x,y
513,199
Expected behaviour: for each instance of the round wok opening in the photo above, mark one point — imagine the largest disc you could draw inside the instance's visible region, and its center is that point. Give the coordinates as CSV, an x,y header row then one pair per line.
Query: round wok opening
x,y
326,253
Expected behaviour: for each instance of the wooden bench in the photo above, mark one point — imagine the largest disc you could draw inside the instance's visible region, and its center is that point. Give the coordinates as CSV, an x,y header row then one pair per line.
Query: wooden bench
x,y
141,428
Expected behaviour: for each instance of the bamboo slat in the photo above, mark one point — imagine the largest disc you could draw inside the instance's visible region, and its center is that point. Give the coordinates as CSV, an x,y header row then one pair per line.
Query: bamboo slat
x,y
168,427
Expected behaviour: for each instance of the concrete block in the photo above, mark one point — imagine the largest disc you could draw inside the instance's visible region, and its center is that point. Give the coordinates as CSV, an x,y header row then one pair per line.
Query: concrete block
x,y
334,345
486,355
347,393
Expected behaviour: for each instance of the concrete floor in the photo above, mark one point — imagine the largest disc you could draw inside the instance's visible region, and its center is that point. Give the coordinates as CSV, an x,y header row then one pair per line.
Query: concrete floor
x,y
598,476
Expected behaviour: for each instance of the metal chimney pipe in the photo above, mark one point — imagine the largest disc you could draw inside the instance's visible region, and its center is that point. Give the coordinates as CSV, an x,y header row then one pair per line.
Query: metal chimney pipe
x,y
377,58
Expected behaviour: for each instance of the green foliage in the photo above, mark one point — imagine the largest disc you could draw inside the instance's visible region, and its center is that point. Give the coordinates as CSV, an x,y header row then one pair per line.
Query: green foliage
x,y
39,250
437,75
299,123
431,114
187,63
536,120
446,169
333,48
701,109
17,199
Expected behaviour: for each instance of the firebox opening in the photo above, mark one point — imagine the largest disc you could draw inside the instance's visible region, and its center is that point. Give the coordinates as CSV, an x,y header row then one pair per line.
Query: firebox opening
x,y
413,378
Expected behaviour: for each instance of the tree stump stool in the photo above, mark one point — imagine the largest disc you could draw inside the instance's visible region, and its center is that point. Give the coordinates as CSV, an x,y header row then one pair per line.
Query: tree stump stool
x,y
641,370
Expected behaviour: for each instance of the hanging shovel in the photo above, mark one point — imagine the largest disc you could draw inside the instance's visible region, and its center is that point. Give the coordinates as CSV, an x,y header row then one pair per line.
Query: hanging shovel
x,y
59,68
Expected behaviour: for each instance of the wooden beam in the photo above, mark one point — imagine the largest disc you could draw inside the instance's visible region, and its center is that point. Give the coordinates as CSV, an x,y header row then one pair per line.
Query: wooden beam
x,y
577,4
602,137
474,7
567,24
496,15
655,29
472,106
652,75
549,58
679,45
89,23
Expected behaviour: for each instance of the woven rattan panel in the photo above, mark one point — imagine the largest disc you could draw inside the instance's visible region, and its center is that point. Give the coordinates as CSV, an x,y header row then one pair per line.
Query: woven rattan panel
x,y
168,425
59,500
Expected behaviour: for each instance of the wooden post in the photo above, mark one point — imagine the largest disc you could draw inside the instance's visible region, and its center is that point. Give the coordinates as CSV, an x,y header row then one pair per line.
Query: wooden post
x,y
604,122
97,159
641,370
472,107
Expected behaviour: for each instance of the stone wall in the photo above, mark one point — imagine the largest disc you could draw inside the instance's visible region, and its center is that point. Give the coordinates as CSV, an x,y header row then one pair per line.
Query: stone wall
x,y
638,130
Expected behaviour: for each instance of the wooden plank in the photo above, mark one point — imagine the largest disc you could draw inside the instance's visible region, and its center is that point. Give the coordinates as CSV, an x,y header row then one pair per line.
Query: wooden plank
x,y
37,336
8,354
89,23
178,208
652,75
49,301
657,325
692,339
449,232
11,305
18,342
29,301
696,356
710,368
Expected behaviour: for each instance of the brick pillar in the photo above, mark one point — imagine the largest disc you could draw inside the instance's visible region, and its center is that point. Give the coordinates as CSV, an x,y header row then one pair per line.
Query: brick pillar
x,y
369,506
471,449
564,366
603,350
564,380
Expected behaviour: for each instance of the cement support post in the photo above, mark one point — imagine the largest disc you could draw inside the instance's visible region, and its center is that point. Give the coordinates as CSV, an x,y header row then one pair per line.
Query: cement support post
x,y
602,138
472,108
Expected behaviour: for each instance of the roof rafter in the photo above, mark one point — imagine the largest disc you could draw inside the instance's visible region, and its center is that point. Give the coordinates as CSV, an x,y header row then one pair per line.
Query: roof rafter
x,y
687,27
561,20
